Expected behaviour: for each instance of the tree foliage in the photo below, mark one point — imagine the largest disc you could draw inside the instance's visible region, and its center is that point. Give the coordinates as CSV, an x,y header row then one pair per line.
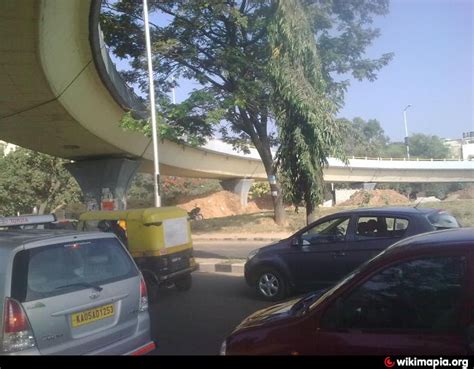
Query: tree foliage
x,y
367,139
29,179
364,138
307,129
224,45
344,30
427,146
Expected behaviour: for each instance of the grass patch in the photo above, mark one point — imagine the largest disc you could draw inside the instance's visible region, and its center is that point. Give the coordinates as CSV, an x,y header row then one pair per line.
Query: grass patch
x,y
262,222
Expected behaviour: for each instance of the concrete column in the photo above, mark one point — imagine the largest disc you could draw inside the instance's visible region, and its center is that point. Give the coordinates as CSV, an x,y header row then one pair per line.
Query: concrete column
x,y
369,186
239,186
100,177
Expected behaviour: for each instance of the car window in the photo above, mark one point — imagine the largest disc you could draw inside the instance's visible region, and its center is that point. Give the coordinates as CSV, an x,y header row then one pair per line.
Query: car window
x,y
380,226
62,268
117,227
422,295
443,220
329,231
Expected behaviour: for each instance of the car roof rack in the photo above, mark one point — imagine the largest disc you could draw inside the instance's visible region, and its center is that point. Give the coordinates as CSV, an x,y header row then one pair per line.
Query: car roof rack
x,y
23,220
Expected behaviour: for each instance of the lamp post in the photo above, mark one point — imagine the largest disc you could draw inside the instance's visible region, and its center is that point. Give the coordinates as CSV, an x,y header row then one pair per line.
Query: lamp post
x,y
152,106
406,130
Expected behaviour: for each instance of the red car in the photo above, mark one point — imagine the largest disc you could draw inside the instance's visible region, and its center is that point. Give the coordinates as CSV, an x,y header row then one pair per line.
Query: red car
x,y
416,297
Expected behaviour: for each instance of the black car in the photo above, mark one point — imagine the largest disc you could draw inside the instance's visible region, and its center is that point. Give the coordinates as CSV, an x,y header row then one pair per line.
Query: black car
x,y
321,253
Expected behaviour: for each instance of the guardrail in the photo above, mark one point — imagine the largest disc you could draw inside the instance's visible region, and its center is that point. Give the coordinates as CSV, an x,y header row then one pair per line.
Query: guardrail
x,y
405,159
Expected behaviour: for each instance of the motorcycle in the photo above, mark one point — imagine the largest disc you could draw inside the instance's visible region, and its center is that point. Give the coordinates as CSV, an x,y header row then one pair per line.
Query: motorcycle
x,y
195,214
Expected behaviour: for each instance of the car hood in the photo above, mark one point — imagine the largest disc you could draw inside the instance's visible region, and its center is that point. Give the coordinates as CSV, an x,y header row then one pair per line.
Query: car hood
x,y
281,244
283,311
270,314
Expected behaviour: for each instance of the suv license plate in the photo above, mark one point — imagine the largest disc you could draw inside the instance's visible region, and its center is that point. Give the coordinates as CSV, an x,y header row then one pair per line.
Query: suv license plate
x,y
92,315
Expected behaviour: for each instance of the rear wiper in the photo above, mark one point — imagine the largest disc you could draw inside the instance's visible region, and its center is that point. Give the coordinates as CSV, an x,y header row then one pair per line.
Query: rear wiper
x,y
83,284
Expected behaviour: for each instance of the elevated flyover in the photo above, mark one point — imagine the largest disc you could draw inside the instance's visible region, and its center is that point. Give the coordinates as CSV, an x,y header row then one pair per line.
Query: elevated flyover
x,y
61,95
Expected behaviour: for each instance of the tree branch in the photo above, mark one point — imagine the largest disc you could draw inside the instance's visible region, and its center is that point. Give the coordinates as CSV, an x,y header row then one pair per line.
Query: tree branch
x,y
191,24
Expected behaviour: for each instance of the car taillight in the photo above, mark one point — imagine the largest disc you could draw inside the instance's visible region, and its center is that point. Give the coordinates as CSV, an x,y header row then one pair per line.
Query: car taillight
x,y
17,332
143,306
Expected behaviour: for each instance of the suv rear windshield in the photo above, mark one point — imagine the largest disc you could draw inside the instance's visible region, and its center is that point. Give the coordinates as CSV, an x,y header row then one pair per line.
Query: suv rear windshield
x,y
62,268
443,220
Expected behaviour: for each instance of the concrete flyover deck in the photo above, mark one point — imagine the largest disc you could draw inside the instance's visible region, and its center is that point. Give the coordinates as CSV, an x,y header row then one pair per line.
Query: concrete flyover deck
x,y
55,100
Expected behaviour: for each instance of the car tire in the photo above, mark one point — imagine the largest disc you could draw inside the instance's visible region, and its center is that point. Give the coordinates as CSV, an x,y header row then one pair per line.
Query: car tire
x,y
271,285
152,289
184,283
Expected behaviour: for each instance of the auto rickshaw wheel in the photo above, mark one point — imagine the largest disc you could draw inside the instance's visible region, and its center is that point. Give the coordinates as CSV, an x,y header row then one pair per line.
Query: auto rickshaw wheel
x,y
184,283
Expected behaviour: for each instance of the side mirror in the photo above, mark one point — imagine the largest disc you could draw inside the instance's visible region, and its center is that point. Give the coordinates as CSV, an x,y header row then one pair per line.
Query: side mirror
x,y
295,242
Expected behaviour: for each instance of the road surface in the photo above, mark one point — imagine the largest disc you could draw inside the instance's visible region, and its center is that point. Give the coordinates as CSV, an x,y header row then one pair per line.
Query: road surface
x,y
226,249
196,322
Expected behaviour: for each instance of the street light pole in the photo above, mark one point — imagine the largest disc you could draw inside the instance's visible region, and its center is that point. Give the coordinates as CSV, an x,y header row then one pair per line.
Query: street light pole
x,y
406,130
152,107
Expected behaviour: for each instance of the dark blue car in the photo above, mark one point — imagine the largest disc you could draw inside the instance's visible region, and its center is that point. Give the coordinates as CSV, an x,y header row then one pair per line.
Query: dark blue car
x,y
321,253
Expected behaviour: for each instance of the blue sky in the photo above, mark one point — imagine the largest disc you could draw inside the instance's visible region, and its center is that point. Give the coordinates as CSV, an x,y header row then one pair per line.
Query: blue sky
x,y
433,70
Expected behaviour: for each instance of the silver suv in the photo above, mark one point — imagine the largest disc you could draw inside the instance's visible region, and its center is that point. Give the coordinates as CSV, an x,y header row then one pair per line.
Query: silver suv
x,y
69,293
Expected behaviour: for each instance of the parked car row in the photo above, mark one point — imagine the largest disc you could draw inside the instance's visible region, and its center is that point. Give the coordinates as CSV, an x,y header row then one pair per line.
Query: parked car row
x,y
415,298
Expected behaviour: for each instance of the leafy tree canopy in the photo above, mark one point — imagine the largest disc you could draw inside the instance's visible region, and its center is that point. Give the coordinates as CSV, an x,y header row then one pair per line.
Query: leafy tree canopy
x,y
305,117
29,179
364,138
427,146
344,30
225,46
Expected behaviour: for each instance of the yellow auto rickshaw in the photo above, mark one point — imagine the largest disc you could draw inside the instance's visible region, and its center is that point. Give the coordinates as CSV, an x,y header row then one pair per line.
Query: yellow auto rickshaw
x,y
159,240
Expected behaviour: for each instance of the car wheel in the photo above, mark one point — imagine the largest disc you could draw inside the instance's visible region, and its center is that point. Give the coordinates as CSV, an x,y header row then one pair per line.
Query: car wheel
x,y
152,289
271,285
184,283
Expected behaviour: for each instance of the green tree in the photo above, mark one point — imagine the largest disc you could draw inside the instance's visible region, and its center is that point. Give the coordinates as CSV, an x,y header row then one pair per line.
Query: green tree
x,y
344,30
29,179
395,150
305,117
427,146
363,138
224,46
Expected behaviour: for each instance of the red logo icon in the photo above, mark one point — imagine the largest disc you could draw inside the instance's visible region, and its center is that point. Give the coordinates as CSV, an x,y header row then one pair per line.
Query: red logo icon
x,y
388,362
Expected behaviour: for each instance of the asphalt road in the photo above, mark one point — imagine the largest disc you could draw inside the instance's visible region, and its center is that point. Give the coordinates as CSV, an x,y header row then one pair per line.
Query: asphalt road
x,y
226,249
196,322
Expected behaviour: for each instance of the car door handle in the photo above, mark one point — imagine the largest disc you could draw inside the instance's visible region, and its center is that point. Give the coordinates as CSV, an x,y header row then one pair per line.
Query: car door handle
x,y
338,254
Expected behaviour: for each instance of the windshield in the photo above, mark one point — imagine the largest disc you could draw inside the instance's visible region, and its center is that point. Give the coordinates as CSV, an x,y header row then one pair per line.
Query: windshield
x,y
57,269
443,220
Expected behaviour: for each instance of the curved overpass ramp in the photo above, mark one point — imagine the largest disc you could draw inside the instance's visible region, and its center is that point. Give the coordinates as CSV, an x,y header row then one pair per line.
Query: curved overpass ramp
x,y
55,100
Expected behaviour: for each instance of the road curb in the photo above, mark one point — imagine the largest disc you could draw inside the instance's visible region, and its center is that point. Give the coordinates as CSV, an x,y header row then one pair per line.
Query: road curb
x,y
235,239
219,266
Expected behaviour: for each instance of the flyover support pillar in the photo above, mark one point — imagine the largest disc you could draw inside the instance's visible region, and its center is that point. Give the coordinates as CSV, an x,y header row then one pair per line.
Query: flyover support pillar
x,y
104,182
240,187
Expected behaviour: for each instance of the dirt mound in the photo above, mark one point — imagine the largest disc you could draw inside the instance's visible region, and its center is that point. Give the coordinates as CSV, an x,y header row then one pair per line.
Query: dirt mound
x,y
466,193
223,204
376,198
